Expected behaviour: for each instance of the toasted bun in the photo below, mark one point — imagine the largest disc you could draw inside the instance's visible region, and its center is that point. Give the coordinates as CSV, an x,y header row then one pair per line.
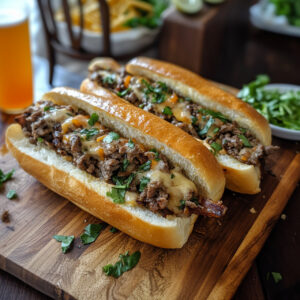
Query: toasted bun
x,y
196,161
203,92
105,63
240,177
89,193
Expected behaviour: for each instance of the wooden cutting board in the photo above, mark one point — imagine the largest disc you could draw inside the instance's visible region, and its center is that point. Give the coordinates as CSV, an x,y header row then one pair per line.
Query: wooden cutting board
x,y
211,264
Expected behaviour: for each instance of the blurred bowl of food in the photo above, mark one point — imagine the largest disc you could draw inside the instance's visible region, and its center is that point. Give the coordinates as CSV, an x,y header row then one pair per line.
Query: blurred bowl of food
x,y
134,24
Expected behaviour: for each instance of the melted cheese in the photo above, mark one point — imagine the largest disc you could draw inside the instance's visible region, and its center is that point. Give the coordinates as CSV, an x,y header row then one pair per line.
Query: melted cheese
x,y
57,115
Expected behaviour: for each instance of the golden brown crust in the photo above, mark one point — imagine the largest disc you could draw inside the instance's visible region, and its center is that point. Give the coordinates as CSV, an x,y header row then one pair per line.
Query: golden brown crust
x,y
203,92
104,63
81,193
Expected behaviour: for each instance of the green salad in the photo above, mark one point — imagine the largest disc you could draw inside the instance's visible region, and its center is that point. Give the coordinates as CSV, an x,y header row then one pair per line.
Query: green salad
x,y
279,108
288,8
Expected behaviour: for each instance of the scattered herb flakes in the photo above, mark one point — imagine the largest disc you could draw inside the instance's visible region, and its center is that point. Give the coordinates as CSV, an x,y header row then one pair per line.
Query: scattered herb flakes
x,y
89,133
117,195
124,92
172,176
40,140
5,177
245,141
123,182
131,144
112,136
126,263
143,183
66,241
208,124
91,232
167,111
93,119
113,230
216,147
11,194
182,205
276,276
146,166
125,164
47,108
214,114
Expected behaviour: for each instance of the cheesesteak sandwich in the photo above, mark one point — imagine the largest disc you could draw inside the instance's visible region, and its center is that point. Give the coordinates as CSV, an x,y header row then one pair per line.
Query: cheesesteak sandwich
x,y
121,164
239,136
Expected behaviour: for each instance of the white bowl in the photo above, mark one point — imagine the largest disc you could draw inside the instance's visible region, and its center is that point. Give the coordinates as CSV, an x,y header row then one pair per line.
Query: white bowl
x,y
282,132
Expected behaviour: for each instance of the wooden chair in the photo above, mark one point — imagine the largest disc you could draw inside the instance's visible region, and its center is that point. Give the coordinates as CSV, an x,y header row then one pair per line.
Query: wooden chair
x,y
75,50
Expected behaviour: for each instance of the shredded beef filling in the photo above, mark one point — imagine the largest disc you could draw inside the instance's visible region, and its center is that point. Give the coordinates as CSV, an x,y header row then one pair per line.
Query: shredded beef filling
x,y
222,134
101,153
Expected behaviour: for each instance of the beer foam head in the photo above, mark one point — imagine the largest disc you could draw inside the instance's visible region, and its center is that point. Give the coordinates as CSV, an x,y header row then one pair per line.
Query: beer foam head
x,y
10,17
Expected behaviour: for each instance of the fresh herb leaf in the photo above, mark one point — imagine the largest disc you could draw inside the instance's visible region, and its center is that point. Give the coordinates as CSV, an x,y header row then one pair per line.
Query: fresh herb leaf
x,y
117,194
182,205
113,230
93,119
124,92
131,144
245,141
143,183
126,263
5,177
123,182
46,108
146,166
110,79
66,241
11,194
91,232
156,154
125,164
276,276
214,114
216,147
39,139
194,120
217,129
112,136
172,176
242,130
158,93
208,124
89,133
167,111
142,105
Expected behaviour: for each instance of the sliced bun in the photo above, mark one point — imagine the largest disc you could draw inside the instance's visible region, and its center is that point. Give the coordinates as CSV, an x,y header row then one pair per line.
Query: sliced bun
x,y
105,63
89,194
203,92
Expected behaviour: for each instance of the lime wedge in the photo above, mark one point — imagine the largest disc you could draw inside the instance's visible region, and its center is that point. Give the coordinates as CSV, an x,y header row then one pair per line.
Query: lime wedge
x,y
188,6
214,1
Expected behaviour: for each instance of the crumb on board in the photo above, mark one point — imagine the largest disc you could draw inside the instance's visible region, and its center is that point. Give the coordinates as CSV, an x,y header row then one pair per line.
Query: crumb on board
x,y
252,210
283,217
264,196
85,220
5,216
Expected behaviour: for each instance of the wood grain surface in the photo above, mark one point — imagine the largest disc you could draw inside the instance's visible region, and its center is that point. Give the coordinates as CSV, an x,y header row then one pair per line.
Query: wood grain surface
x,y
215,251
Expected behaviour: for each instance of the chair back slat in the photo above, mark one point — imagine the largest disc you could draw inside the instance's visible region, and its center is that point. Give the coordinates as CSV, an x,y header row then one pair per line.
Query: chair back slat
x,y
105,23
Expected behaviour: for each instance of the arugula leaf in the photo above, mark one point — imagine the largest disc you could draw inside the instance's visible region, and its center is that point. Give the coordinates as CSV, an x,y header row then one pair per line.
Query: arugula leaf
x,y
245,141
91,232
126,263
146,166
182,205
124,92
167,111
4,177
117,194
11,194
93,119
66,241
131,144
143,183
216,147
89,133
208,124
214,114
112,136
113,230
156,154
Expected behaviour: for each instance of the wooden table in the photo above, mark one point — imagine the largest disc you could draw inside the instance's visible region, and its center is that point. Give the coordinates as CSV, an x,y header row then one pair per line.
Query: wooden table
x,y
246,53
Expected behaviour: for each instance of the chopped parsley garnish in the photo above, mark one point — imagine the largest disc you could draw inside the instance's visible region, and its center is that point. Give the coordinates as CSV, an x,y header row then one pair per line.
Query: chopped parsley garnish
x,y
125,164
156,154
110,79
130,144
117,194
146,166
242,130
4,177
167,111
112,136
216,147
91,232
46,108
126,263
159,95
142,105
66,241
93,119
208,124
217,129
182,205
89,133
39,139
245,141
214,114
143,183
123,182
113,230
124,92
11,194
172,176
194,120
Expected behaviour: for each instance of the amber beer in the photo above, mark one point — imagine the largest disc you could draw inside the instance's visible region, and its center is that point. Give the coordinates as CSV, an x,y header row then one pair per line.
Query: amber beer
x,y
15,61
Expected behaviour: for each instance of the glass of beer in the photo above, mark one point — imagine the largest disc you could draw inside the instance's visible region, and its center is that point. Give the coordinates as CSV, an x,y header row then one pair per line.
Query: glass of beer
x,y
16,92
